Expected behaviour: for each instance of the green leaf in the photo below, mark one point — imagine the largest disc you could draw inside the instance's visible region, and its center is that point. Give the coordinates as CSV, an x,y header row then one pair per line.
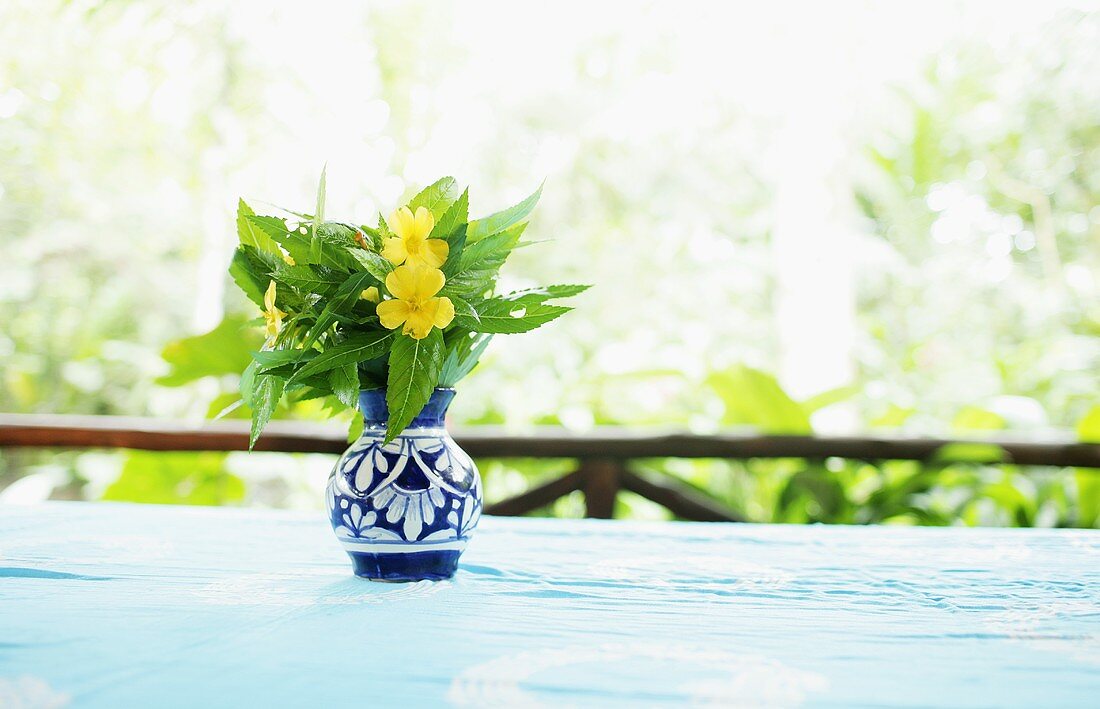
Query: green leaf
x,y
491,252
970,452
309,279
1088,428
414,371
544,293
502,316
267,360
436,197
221,351
468,283
456,215
345,383
344,300
462,359
481,228
266,393
355,429
252,270
319,213
830,397
177,478
374,264
755,398
973,418
465,314
355,349
249,234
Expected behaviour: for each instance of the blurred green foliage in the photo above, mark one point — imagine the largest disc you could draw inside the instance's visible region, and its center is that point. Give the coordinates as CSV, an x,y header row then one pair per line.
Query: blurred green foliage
x,y
977,184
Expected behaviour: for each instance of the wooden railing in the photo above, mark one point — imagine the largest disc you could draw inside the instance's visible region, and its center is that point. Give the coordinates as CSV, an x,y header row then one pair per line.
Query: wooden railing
x,y
602,456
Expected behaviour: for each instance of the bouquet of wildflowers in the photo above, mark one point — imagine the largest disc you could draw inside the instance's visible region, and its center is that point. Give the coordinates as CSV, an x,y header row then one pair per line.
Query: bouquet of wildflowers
x,y
408,304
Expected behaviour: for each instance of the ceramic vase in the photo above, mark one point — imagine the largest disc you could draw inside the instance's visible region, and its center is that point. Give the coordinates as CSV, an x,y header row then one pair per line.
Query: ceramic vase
x,y
404,510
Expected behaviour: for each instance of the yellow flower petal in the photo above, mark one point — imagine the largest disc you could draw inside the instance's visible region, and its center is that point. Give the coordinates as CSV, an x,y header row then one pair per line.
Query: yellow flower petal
x,y
433,253
401,222
418,325
444,311
269,297
429,281
401,282
371,294
394,250
393,313
423,223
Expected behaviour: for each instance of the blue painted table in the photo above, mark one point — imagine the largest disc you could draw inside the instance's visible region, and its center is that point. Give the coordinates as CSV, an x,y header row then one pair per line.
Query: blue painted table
x,y
115,606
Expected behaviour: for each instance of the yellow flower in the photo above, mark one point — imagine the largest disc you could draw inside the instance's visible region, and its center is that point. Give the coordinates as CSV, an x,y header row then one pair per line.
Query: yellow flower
x,y
414,304
272,315
371,294
410,244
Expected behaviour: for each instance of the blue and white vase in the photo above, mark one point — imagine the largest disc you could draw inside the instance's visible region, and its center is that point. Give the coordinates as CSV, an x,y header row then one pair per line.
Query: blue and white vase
x,y
404,511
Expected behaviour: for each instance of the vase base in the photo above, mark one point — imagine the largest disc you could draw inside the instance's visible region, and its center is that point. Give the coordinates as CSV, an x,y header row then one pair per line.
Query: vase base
x,y
436,565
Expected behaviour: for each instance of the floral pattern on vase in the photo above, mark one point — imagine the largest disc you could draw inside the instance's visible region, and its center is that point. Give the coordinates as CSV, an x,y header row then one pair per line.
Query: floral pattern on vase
x,y
404,511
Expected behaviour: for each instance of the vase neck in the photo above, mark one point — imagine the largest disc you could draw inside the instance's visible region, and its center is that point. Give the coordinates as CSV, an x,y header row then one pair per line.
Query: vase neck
x,y
372,402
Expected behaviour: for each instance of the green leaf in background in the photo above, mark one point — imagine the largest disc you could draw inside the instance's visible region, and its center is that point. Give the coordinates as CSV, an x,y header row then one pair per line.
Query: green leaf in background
x,y
458,214
481,228
972,418
414,371
221,351
249,234
830,397
436,198
754,398
500,316
353,350
1088,428
345,383
970,452
176,479
266,393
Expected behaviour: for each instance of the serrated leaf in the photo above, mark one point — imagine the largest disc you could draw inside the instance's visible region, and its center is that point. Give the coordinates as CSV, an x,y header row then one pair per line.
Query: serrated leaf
x,y
353,350
456,215
504,317
343,300
309,279
462,359
465,314
251,269
436,197
491,252
249,234
544,293
345,384
267,360
266,393
376,265
486,226
468,283
414,371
